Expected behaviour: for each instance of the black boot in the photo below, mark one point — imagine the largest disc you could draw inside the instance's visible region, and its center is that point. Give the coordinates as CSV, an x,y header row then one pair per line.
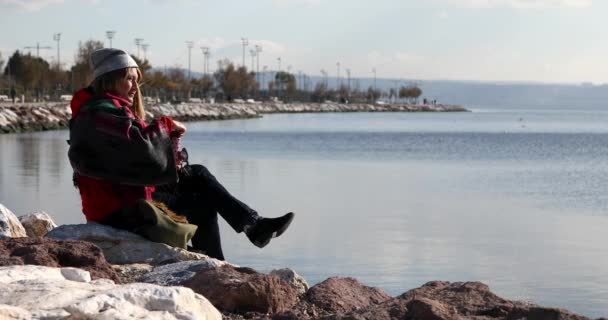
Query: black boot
x,y
267,228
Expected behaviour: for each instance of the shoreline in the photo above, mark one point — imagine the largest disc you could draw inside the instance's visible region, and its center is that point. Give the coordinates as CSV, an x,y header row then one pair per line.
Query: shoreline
x,y
28,117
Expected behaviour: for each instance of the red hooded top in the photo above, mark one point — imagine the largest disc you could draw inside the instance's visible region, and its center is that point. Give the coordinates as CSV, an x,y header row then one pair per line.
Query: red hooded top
x,y
101,197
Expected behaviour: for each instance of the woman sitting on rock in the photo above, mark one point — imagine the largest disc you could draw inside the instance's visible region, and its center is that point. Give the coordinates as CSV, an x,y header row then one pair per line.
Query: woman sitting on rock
x,y
127,172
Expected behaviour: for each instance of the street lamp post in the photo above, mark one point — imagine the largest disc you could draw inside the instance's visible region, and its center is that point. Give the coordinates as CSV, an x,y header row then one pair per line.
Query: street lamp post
x,y
57,37
279,60
374,71
145,47
324,73
338,78
205,60
190,45
265,68
245,43
138,42
258,49
110,34
253,53
348,79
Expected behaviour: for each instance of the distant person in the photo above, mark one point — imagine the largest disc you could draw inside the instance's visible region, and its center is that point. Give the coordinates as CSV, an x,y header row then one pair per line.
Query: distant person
x,y
129,174
13,94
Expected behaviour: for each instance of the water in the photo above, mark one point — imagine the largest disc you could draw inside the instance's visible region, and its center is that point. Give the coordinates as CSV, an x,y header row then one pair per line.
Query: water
x,y
514,198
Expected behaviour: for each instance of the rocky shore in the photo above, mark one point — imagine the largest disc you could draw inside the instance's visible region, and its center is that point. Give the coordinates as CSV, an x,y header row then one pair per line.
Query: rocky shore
x,y
51,116
91,271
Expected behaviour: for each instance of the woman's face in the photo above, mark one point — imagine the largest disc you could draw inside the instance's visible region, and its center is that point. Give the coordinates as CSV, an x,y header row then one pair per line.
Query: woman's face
x,y
127,86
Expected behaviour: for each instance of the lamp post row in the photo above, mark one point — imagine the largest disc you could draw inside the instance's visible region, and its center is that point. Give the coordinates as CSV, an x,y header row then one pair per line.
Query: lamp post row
x,y
255,53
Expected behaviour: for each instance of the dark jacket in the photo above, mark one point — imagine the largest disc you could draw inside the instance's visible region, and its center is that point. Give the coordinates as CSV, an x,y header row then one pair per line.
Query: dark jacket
x,y
117,158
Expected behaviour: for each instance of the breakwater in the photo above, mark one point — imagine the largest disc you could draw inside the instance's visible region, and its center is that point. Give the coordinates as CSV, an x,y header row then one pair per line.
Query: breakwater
x,y
52,116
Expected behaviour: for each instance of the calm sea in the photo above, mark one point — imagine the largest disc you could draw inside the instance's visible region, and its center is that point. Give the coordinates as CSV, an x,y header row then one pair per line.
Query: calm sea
x,y
515,197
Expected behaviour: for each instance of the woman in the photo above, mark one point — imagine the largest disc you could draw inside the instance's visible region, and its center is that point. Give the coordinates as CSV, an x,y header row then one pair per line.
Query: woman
x,y
122,163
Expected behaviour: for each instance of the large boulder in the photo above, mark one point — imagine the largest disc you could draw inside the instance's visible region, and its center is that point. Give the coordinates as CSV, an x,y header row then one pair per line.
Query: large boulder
x,y
37,224
174,274
14,313
241,290
46,293
441,300
292,278
55,253
342,295
9,224
123,247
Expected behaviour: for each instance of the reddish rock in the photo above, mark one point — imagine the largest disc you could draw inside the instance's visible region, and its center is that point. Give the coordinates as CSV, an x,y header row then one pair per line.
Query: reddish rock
x,y
441,300
55,253
342,295
423,308
242,290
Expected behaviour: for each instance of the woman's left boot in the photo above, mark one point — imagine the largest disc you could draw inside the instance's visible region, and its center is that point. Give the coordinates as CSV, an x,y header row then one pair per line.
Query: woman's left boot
x,y
264,229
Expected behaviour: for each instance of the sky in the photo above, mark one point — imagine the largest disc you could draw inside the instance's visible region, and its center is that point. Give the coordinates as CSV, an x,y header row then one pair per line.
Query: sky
x,y
553,41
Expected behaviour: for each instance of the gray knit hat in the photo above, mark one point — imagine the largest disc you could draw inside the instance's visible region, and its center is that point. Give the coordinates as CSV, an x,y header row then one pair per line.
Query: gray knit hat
x,y
107,59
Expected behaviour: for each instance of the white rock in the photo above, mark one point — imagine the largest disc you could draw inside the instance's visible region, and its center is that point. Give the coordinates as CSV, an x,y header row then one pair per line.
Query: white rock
x,y
75,274
9,224
37,224
14,313
55,296
292,278
123,247
31,272
177,273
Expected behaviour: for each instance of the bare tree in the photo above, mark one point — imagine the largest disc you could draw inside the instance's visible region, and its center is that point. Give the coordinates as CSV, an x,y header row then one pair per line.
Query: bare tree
x,y
82,75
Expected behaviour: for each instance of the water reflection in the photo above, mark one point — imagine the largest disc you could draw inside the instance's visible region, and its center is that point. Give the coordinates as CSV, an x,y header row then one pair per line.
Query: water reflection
x,y
36,175
28,151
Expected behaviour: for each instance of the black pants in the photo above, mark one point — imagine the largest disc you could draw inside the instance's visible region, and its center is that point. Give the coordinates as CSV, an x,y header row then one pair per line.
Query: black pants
x,y
200,197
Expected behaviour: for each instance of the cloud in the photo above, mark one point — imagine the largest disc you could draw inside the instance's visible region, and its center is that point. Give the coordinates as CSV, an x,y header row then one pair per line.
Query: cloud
x,y
521,4
269,46
212,43
29,5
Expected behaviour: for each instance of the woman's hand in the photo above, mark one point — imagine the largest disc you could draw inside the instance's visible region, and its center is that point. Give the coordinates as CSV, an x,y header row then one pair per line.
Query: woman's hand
x,y
179,129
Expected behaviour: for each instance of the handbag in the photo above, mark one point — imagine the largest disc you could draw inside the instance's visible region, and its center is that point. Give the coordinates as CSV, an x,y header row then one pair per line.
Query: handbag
x,y
155,222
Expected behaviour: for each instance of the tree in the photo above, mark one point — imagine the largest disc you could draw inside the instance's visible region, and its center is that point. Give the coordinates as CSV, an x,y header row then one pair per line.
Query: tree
x,y
234,82
1,61
320,93
286,83
144,65
206,84
227,79
156,84
178,83
373,94
82,74
28,72
343,93
56,80
415,93
411,93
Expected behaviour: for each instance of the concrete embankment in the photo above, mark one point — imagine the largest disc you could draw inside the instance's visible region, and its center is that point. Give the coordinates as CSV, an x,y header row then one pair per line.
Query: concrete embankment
x,y
51,116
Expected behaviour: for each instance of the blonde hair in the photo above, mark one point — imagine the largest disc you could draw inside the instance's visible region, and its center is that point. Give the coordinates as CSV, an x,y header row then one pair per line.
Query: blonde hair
x,y
108,82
